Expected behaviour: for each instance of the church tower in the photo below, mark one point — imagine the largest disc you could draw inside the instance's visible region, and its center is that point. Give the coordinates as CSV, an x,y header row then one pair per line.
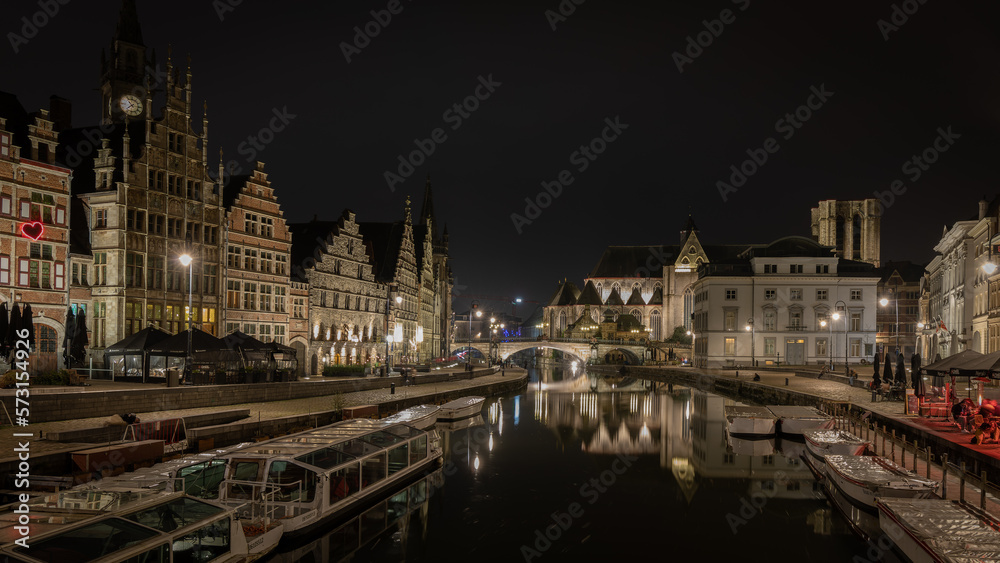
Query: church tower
x,y
123,80
852,227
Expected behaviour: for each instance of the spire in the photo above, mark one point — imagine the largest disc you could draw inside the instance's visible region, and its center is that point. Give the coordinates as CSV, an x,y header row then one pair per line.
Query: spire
x,y
128,29
427,209
408,216
689,228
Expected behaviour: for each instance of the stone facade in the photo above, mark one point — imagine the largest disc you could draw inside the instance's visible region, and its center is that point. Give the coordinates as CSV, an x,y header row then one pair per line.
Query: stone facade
x,y
854,228
258,249
34,228
900,287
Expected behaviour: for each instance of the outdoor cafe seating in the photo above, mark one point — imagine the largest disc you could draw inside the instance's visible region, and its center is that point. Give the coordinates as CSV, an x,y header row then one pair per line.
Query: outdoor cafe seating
x,y
944,392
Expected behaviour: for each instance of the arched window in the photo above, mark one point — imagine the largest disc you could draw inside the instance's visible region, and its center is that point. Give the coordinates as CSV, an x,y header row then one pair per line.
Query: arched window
x,y
562,321
688,308
636,288
600,290
596,315
841,235
856,236
616,287
655,325
637,314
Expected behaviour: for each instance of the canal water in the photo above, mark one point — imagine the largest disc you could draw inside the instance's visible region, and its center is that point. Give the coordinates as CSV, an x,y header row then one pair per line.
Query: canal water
x,y
590,468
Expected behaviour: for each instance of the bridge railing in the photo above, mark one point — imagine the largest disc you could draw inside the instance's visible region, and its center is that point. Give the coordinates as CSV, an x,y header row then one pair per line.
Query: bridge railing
x,y
566,340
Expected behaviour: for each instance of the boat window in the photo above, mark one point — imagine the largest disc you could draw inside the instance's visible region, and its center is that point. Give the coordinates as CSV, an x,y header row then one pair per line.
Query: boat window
x,y
204,544
372,470
295,483
175,514
418,449
345,482
202,480
358,448
326,458
398,459
89,542
382,439
244,471
404,431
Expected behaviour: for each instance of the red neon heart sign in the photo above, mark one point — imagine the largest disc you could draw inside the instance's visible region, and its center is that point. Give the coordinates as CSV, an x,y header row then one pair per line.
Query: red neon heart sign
x,y
34,231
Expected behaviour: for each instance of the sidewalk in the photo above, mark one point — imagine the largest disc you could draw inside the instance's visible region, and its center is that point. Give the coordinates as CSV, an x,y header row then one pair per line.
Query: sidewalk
x,y
261,411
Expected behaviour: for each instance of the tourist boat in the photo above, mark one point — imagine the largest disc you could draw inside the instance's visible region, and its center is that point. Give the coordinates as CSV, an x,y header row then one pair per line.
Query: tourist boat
x,y
862,479
743,446
750,421
461,408
129,526
936,530
319,474
821,443
421,416
794,419
453,425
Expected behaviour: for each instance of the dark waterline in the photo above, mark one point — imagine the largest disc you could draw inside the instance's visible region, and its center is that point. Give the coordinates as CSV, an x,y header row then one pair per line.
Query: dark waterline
x,y
625,467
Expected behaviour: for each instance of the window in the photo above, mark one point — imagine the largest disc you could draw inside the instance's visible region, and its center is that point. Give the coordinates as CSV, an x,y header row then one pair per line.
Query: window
x,y
855,295
100,268
265,297
769,347
279,334
5,145
822,268
211,274
211,234
281,264
174,276
822,295
5,205
730,320
136,220
250,223
133,270
855,322
249,296
100,218
298,308
795,319
795,294
265,262
855,347
155,224
770,268
279,299
730,346
154,314
42,208
795,269
770,294
770,319
133,318
174,228
821,349
730,295
193,189
154,274
60,275
193,232
249,259
233,294
5,270
233,257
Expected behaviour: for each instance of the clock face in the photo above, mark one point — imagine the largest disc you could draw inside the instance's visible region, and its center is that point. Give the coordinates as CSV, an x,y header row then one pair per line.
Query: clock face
x,y
130,105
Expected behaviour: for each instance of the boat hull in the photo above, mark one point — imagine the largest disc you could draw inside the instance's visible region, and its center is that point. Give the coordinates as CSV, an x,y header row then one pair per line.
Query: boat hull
x,y
461,408
863,491
818,448
751,426
795,420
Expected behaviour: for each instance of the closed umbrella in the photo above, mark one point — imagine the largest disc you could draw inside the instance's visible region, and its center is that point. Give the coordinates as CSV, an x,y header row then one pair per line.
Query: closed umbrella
x,y
887,373
875,364
15,324
918,382
3,329
900,370
68,337
80,340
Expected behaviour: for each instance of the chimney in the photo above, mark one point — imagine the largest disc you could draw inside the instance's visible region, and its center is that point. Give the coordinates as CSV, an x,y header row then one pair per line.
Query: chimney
x,y
983,205
61,113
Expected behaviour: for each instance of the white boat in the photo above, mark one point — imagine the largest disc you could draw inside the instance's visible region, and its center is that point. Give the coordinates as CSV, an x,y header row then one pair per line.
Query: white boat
x,y
320,474
129,526
744,446
453,425
794,419
421,416
937,530
863,478
461,408
821,443
750,421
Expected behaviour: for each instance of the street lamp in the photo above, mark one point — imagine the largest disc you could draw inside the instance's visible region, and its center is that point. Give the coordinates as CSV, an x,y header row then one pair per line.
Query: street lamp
x,y
388,337
187,260
829,346
468,353
753,362
884,302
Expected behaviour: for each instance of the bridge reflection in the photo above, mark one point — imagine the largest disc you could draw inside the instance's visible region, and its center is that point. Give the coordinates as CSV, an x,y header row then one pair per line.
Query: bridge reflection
x,y
685,428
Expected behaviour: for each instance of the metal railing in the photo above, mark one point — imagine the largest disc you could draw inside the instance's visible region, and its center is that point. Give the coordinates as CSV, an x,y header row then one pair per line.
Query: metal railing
x,y
922,460
263,498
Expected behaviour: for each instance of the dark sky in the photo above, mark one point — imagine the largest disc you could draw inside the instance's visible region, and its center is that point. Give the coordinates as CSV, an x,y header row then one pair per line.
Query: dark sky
x,y
556,89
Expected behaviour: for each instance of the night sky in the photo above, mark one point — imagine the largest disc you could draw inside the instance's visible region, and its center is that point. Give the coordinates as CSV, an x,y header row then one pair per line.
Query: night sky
x,y
552,91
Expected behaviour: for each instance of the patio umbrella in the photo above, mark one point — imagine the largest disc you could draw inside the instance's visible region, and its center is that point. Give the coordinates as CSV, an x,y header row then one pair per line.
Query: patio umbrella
x,y
68,337
28,323
80,339
875,365
15,323
918,382
887,374
3,329
900,370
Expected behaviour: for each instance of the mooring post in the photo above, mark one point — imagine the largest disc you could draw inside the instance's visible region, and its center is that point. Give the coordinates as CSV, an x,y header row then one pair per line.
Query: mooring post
x,y
961,482
982,490
944,476
928,447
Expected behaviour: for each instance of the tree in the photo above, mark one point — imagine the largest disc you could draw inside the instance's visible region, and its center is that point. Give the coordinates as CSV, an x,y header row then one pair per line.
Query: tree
x,y
680,335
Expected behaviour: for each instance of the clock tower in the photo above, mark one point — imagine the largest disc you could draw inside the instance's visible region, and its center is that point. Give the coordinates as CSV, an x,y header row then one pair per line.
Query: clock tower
x,y
123,74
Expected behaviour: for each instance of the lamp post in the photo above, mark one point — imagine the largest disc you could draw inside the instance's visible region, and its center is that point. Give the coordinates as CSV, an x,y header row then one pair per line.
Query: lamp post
x,y
753,362
187,260
884,302
388,337
468,353
829,346
835,316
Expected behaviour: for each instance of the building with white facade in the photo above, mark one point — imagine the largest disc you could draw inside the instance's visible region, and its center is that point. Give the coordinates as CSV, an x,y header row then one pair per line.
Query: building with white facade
x,y
774,304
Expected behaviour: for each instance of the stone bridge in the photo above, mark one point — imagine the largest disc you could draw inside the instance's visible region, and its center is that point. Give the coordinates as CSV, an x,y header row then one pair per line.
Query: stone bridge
x,y
583,349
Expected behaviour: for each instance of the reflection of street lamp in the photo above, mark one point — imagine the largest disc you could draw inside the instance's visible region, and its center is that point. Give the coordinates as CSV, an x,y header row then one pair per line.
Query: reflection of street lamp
x,y
186,260
753,363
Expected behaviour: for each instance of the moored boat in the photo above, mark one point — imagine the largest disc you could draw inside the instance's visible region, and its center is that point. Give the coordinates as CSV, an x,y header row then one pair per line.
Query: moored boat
x,y
821,443
795,419
461,408
420,416
750,421
129,526
862,479
744,446
936,530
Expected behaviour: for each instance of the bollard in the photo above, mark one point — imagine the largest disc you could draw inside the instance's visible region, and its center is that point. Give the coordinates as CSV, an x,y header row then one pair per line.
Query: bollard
x,y
902,453
944,476
786,382
961,483
892,448
914,456
928,460
392,388
982,491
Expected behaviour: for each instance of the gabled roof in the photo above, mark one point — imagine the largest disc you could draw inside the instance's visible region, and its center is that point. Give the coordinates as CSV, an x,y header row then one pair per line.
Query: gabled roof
x,y
589,295
384,241
910,272
565,295
635,299
633,261
793,247
628,322
657,298
615,298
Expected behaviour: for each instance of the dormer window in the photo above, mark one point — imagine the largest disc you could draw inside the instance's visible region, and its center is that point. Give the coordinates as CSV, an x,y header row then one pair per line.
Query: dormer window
x,y
5,144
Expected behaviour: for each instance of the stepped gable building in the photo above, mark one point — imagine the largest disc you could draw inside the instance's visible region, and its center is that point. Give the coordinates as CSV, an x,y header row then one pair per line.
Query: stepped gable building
x,y
436,281
258,246
148,198
346,304
899,285
785,292
853,228
35,208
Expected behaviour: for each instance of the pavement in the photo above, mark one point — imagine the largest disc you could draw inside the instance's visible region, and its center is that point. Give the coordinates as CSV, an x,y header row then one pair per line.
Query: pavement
x,y
261,411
